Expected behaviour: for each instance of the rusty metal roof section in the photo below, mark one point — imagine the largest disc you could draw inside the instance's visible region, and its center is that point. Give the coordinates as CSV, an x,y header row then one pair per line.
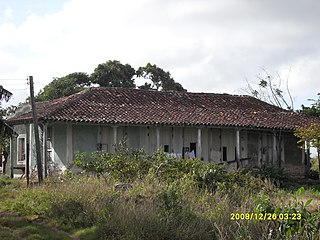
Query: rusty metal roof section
x,y
147,107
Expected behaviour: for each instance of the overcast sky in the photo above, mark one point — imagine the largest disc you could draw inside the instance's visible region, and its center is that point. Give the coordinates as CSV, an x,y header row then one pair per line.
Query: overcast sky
x,y
207,45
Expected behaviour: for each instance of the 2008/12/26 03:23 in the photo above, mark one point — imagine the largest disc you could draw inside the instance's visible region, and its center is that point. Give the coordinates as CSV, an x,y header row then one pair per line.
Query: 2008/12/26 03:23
x,y
265,216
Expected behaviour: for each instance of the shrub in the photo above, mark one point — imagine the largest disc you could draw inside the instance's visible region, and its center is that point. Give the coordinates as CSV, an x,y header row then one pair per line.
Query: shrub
x,y
278,176
31,201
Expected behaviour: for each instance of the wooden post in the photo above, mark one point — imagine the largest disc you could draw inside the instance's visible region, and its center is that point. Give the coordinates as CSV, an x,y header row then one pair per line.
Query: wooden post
x,y
115,137
27,152
69,147
45,149
158,138
199,144
238,146
260,150
279,150
11,156
307,160
36,131
274,149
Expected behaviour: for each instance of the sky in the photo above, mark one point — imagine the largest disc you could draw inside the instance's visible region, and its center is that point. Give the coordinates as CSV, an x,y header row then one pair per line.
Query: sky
x,y
206,45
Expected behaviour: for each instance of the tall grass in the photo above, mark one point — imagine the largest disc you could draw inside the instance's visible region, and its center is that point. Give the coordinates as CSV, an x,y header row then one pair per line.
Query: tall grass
x,y
167,198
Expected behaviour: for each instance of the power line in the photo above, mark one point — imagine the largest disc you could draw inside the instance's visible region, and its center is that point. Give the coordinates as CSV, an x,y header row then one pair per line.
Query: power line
x,y
19,89
40,83
12,79
14,84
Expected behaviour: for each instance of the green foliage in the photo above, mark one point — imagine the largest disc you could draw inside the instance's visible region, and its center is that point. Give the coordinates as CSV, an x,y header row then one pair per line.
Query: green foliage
x,y
4,94
123,165
277,175
64,86
313,110
168,198
293,219
7,182
310,134
17,227
31,202
160,80
114,74
71,212
109,74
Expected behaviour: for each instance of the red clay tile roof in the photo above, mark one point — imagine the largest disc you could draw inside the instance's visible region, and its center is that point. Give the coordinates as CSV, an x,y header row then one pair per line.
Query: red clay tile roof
x,y
143,107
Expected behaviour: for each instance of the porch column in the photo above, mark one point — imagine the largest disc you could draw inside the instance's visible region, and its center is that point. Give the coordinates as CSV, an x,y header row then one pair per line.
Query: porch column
x,y
238,146
69,149
158,138
115,136
45,149
260,150
274,150
27,153
307,158
199,148
11,155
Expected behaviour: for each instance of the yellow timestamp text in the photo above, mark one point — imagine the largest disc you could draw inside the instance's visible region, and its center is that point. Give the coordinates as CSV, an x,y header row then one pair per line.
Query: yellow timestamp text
x,y
265,216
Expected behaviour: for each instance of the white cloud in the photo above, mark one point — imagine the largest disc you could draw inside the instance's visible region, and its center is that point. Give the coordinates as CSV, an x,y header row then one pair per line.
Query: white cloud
x,y
207,45
8,13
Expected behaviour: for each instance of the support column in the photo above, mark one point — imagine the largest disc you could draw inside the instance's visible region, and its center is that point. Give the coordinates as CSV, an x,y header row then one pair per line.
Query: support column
x,y
115,137
69,149
45,148
27,151
99,138
158,138
11,155
260,150
274,150
199,144
238,146
307,158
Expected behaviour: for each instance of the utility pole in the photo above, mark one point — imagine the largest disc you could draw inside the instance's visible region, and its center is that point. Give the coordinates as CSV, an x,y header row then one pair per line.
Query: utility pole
x,y
36,130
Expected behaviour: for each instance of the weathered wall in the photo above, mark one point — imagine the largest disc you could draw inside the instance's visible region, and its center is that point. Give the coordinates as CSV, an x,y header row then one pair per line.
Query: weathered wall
x,y
84,138
294,158
59,144
260,146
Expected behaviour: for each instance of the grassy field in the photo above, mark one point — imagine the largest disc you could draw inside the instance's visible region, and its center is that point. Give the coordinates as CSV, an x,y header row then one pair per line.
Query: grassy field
x,y
159,198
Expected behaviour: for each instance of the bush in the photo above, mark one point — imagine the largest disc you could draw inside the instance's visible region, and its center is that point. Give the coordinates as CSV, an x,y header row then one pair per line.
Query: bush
x,y
277,175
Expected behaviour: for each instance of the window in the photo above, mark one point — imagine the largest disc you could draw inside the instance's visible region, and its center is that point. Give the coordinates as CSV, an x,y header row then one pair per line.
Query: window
x,y
49,144
193,147
224,154
21,149
166,148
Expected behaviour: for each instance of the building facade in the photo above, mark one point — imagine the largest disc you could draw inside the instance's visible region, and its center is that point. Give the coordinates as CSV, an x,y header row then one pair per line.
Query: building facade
x,y
239,130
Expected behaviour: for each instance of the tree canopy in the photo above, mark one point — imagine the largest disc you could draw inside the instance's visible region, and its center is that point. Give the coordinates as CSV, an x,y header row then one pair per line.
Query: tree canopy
x,y
314,109
4,94
110,74
114,74
160,80
64,86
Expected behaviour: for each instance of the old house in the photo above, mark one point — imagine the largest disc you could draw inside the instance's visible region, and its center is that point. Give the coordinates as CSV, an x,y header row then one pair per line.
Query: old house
x,y
239,130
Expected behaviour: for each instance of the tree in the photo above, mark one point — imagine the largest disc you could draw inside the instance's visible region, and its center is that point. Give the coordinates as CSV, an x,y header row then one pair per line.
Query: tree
x,y
4,94
160,80
64,86
5,130
313,110
270,89
114,74
311,136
